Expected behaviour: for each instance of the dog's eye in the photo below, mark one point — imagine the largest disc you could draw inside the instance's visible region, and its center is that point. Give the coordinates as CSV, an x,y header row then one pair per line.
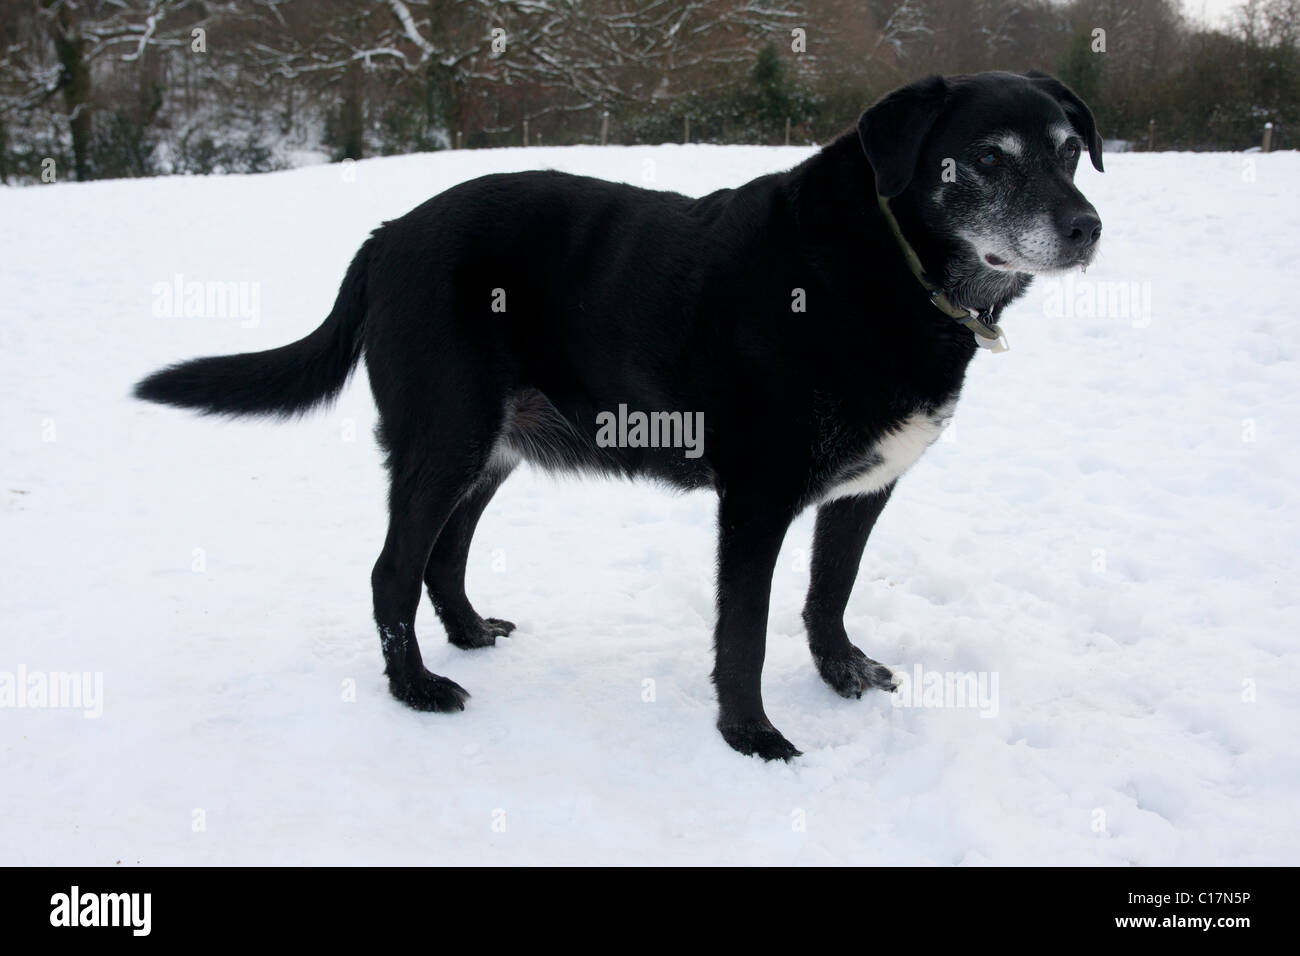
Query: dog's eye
x,y
990,158
1070,150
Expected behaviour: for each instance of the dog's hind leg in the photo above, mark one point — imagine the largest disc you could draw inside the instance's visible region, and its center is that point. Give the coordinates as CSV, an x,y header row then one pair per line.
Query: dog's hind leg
x,y
419,503
445,574
843,527
437,451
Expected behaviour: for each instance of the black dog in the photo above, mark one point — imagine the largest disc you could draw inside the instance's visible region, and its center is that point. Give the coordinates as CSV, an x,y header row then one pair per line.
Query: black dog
x,y
816,324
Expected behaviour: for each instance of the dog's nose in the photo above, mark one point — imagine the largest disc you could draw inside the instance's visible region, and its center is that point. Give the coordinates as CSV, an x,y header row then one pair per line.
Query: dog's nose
x,y
1083,230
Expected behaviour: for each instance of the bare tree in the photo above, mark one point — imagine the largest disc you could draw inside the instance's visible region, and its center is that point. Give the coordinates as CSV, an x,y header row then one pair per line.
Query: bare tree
x,y
60,45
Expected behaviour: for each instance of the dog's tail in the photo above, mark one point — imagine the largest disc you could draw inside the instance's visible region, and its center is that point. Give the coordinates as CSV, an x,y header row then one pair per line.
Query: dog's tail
x,y
281,382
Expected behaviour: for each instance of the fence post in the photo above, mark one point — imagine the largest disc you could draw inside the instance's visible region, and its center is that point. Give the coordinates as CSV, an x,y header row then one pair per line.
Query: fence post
x,y
787,131
460,140
525,130
686,128
1268,137
604,127
1151,136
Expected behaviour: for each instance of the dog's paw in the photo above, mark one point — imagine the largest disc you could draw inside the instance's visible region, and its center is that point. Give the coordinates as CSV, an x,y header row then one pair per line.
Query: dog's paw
x,y
498,627
852,673
428,691
758,738
482,632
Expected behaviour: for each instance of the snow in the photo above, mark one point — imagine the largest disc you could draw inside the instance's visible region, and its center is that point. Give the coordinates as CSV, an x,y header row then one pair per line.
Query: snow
x,y
1106,536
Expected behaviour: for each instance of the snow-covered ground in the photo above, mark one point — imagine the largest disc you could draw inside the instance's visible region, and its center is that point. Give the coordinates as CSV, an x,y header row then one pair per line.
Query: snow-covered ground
x,y
1108,531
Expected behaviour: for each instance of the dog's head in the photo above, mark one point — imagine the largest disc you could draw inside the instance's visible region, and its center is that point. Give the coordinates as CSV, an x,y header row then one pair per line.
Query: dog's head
x,y
987,160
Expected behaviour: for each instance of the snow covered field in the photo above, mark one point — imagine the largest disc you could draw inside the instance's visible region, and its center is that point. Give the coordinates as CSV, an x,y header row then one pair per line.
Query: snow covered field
x,y
1107,537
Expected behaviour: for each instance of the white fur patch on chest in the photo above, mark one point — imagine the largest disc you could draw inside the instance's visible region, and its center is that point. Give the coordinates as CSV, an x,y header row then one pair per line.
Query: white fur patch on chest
x,y
898,450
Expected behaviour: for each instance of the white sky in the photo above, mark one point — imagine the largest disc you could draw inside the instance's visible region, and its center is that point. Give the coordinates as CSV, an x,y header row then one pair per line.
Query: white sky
x,y
1211,11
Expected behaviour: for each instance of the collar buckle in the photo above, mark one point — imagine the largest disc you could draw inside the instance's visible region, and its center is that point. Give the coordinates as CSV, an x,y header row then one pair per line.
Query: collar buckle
x,y
987,333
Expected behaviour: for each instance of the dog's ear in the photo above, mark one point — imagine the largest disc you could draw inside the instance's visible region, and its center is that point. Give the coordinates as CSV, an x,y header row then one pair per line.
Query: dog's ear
x,y
1076,110
892,131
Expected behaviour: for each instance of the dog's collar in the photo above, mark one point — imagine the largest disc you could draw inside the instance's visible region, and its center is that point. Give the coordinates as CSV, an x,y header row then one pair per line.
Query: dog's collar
x,y
986,331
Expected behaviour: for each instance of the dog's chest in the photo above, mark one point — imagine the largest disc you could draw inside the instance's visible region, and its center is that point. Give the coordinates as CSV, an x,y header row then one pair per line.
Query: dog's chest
x,y
897,450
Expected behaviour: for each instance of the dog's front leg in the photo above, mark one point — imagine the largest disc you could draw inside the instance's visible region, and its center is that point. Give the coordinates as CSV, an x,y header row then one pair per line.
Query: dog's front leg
x,y
843,527
749,538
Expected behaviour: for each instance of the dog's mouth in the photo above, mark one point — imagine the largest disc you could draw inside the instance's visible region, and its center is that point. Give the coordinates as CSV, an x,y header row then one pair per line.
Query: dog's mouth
x,y
1003,264
1036,254
1065,264
1030,267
